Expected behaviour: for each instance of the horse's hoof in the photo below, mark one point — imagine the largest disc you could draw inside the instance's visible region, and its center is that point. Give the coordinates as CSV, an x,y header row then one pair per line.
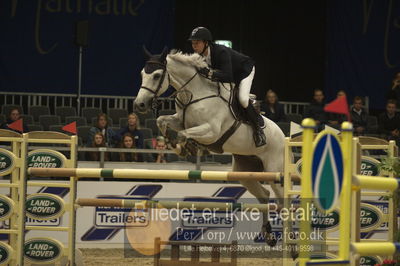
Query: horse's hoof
x,y
191,146
270,238
180,150
294,255
267,227
181,138
172,142
271,241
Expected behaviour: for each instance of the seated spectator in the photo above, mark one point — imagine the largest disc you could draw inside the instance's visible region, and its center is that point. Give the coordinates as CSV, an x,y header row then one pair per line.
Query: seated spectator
x,y
128,142
272,108
13,116
389,122
101,126
133,128
316,109
359,117
394,92
160,145
97,141
335,120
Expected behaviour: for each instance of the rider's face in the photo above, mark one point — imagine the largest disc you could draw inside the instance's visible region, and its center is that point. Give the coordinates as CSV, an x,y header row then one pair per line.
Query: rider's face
x,y
198,46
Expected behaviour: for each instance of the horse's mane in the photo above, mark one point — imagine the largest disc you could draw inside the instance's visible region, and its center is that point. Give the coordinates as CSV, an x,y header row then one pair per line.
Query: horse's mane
x,y
194,59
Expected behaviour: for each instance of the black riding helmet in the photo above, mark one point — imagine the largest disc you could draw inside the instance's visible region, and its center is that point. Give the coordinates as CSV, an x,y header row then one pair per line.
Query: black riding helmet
x,y
200,34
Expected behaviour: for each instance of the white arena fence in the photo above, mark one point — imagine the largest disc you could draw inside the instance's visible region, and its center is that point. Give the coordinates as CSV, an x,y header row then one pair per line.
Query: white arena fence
x,y
105,102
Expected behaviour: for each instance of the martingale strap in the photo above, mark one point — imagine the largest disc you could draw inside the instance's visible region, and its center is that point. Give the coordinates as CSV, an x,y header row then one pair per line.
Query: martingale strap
x,y
185,106
217,146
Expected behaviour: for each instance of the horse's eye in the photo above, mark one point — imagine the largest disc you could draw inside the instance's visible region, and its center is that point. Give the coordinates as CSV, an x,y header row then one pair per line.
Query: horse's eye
x,y
156,76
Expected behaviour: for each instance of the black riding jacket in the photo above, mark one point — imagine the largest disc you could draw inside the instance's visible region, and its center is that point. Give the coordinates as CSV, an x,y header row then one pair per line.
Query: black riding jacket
x,y
229,65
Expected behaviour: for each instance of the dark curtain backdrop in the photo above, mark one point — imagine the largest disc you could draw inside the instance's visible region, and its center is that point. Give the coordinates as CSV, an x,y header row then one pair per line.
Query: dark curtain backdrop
x,y
286,39
363,52
37,52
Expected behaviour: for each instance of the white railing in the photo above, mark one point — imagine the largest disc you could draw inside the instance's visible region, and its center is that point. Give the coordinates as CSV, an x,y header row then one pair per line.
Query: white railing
x,y
105,102
295,107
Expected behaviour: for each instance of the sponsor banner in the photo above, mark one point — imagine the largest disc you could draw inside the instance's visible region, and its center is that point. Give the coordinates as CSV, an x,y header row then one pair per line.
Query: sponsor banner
x,y
44,206
101,226
370,217
43,250
369,166
7,162
6,253
217,220
44,158
120,217
6,207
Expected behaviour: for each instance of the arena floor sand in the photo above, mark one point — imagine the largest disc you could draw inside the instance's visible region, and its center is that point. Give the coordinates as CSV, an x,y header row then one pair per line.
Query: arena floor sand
x,y
115,257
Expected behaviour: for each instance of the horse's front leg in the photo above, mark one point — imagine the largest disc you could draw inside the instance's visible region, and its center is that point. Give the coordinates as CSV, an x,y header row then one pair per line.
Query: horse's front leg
x,y
204,134
169,121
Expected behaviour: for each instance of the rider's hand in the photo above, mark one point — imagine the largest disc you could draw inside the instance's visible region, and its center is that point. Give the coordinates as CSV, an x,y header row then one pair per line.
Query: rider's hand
x,y
205,72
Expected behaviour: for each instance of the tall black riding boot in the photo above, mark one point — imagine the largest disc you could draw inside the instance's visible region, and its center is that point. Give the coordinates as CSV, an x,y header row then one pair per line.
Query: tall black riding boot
x,y
258,133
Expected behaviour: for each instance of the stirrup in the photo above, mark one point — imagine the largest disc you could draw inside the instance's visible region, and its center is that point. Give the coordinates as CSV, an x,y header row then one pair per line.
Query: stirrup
x,y
259,138
261,122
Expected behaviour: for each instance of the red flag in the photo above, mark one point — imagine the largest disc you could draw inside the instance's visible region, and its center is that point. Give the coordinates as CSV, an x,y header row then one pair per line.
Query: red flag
x,y
339,106
17,125
71,127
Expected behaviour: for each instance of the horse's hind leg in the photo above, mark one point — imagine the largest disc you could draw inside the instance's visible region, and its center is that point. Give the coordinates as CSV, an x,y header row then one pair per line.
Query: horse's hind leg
x,y
252,163
272,162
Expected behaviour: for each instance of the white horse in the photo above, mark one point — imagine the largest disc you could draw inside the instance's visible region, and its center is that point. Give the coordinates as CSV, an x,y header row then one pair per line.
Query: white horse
x,y
203,114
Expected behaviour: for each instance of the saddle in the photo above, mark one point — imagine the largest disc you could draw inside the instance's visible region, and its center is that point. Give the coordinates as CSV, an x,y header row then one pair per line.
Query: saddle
x,y
236,108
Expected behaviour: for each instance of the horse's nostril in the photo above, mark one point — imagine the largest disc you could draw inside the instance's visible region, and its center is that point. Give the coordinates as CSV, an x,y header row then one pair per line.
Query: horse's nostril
x,y
141,105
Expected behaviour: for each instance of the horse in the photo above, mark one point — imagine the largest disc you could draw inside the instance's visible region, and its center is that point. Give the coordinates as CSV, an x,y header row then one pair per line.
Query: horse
x,y
203,114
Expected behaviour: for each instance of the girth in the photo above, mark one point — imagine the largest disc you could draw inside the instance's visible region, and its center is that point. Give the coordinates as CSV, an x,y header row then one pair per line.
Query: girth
x,y
217,146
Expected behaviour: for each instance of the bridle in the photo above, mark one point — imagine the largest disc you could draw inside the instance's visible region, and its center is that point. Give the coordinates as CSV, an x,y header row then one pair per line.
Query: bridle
x,y
163,66
159,65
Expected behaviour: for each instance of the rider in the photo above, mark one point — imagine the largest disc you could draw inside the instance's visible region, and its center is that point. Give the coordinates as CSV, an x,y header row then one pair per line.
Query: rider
x,y
228,65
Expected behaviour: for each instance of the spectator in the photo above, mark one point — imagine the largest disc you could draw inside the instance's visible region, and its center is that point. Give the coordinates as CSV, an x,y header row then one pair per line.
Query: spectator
x,y
97,141
13,116
133,129
102,126
359,117
394,92
160,145
272,108
316,109
389,122
335,120
128,142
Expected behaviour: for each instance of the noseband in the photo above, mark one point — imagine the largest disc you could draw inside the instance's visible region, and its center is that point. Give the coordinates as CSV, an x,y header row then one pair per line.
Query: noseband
x,y
152,66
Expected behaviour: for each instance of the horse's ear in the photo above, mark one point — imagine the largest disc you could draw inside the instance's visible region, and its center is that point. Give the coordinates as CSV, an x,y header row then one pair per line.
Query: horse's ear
x,y
164,54
146,52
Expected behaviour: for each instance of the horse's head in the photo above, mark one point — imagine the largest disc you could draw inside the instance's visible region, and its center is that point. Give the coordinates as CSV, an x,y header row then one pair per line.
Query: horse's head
x,y
154,80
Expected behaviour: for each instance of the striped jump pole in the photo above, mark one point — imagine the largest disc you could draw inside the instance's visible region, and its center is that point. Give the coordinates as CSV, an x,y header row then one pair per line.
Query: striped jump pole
x,y
159,174
191,205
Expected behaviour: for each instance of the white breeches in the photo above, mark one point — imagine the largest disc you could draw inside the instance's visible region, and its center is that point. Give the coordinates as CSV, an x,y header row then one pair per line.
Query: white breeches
x,y
244,89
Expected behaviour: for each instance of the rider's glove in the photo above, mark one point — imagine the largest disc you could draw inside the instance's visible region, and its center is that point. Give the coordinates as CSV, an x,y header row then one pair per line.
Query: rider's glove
x,y
205,72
